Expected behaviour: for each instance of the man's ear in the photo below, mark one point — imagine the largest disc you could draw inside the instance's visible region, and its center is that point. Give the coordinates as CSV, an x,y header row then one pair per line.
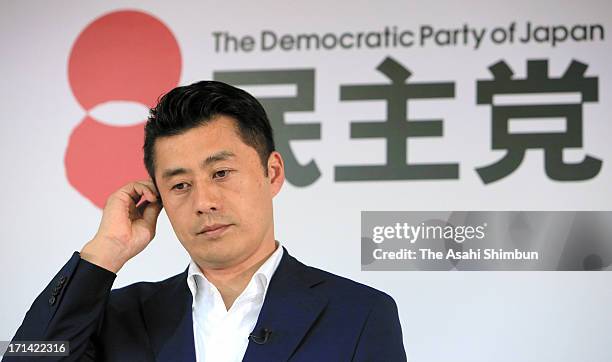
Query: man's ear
x,y
276,172
159,197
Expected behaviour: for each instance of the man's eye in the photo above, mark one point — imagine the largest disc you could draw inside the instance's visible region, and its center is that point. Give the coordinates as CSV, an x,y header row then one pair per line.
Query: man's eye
x,y
221,174
180,186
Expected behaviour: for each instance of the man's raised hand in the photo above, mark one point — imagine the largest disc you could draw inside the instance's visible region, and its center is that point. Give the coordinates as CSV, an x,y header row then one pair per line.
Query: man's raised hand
x,y
127,226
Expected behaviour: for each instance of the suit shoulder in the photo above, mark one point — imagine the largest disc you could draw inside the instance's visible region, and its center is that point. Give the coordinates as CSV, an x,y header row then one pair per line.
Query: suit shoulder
x,y
347,288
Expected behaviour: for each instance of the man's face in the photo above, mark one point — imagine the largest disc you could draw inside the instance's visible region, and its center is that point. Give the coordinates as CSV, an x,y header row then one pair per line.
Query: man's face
x,y
216,194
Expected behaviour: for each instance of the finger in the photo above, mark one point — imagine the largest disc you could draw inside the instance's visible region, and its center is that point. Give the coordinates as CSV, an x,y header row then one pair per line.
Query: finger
x,y
149,193
151,185
138,192
150,213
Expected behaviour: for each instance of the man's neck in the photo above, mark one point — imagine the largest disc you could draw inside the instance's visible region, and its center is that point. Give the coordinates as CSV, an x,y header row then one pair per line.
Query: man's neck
x,y
231,282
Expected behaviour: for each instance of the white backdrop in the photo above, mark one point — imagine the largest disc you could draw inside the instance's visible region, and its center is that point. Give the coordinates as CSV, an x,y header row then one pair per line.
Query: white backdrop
x,y
466,316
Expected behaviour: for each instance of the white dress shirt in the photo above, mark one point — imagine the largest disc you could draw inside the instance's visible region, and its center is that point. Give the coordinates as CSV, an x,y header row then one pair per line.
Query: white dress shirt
x,y
221,335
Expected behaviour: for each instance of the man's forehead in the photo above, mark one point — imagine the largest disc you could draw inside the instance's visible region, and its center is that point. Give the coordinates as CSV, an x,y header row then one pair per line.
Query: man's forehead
x,y
215,140
210,137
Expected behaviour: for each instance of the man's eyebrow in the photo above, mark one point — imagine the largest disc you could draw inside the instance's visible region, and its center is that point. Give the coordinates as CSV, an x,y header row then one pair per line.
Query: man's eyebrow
x,y
173,172
216,157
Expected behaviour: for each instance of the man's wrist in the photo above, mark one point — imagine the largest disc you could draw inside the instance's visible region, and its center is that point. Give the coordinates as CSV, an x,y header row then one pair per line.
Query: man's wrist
x,y
104,255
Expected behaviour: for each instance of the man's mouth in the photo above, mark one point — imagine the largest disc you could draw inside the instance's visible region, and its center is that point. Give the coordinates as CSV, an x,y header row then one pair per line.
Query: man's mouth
x,y
214,230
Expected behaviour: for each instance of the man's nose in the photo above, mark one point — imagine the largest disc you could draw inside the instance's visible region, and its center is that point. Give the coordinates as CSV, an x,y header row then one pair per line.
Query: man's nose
x,y
206,198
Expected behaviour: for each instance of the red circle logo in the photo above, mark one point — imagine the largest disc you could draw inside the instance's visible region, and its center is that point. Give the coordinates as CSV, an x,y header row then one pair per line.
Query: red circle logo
x,y
122,56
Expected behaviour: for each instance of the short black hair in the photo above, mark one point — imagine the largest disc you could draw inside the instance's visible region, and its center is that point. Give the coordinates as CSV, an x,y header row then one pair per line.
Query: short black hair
x,y
187,107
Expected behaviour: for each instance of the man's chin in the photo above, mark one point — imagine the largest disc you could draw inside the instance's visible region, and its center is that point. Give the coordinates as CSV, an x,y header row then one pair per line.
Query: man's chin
x,y
215,255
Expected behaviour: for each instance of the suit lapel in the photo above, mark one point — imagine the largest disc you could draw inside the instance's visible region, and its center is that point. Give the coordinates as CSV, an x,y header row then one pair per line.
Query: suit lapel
x,y
289,311
169,322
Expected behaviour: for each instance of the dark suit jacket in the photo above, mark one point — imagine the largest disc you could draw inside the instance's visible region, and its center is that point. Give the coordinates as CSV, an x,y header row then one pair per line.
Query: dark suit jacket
x,y
313,315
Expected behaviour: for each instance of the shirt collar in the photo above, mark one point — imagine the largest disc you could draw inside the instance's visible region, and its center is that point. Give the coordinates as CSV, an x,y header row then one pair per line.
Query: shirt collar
x,y
200,286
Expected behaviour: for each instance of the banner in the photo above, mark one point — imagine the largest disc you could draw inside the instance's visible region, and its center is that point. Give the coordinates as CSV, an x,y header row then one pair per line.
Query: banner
x,y
484,106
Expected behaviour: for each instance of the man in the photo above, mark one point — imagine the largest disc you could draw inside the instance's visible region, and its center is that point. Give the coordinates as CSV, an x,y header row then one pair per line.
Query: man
x,y
210,153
